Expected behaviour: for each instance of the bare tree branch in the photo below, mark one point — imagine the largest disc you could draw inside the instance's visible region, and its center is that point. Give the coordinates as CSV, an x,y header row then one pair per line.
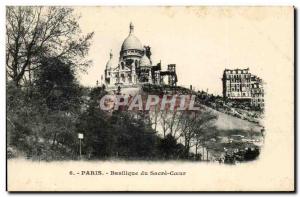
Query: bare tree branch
x,y
37,33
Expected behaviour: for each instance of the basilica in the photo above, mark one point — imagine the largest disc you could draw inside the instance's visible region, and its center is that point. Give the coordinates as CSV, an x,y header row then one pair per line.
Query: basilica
x,y
135,67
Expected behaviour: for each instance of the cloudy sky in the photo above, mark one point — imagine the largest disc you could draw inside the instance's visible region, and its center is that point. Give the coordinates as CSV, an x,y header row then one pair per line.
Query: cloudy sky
x,y
201,41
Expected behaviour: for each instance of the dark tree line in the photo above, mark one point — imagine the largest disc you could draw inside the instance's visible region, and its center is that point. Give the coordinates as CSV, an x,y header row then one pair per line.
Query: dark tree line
x,y
119,134
44,50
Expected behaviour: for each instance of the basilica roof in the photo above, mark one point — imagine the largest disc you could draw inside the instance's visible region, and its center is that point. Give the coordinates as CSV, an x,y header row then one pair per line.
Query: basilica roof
x,y
145,61
109,63
131,42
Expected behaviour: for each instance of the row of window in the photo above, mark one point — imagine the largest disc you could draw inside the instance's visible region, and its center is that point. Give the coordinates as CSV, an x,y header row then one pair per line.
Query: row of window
x,y
238,80
133,51
257,100
238,85
253,100
244,94
246,76
257,95
238,90
237,71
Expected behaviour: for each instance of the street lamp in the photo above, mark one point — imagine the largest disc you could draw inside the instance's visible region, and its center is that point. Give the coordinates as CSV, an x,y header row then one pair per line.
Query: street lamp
x,y
80,137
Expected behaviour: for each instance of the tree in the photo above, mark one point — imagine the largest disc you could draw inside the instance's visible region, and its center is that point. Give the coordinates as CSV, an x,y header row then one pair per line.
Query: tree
x,y
36,33
204,129
118,134
193,127
44,50
196,127
171,123
94,124
55,82
169,148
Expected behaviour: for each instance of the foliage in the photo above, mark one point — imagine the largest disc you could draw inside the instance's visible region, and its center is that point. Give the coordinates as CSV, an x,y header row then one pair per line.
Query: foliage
x,y
35,129
36,33
55,82
170,149
119,134
44,50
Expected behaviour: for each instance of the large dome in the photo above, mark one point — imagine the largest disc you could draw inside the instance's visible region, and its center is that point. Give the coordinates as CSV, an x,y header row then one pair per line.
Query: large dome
x,y
131,42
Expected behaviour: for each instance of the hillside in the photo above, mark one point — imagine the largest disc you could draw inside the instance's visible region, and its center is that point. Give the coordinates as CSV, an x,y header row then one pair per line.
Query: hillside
x,y
229,118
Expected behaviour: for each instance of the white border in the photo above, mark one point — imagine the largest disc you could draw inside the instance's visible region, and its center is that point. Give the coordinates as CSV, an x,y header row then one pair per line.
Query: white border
x,y
149,2
4,3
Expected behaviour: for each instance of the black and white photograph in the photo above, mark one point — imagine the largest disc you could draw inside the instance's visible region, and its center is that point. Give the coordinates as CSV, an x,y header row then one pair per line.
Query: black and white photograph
x,y
125,98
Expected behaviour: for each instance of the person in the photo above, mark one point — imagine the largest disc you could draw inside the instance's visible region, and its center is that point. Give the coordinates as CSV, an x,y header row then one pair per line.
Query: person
x,y
220,160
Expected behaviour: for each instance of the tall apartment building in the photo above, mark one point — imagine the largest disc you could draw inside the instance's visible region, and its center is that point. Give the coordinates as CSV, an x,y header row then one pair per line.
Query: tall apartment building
x,y
257,92
240,84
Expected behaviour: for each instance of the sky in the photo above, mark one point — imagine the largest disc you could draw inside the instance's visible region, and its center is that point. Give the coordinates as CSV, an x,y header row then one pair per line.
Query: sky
x,y
201,41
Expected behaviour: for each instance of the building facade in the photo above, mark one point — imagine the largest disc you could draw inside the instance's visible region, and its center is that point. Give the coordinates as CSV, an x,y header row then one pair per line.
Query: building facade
x,y
257,92
240,84
135,66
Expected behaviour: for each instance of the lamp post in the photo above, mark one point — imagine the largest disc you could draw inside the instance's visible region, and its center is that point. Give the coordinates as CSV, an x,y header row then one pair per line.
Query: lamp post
x,y
80,137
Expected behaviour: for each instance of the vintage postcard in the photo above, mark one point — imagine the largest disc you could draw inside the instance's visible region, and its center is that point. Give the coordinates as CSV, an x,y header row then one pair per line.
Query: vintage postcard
x,y
154,98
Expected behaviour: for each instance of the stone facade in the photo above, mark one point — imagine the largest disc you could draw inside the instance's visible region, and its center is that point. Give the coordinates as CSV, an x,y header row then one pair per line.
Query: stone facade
x,y
135,66
257,92
240,84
